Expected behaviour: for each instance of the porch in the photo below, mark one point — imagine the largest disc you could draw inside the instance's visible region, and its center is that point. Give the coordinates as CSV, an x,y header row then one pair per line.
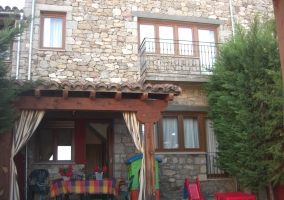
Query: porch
x,y
176,60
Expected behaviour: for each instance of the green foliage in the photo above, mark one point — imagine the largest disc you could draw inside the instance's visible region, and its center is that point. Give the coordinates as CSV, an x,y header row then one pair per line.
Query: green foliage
x,y
8,91
245,94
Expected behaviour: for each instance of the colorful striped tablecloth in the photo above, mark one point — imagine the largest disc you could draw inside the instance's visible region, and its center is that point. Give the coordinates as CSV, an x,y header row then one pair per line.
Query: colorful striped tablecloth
x,y
105,186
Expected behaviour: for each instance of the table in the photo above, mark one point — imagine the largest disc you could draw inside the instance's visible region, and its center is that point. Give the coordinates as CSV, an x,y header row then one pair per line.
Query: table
x,y
233,196
108,186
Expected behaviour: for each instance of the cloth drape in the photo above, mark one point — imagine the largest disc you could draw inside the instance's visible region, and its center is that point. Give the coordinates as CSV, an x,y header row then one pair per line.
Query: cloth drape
x,y
211,148
133,127
22,132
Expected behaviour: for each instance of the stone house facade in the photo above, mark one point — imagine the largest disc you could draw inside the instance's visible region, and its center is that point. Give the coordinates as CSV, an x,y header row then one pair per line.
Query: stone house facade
x,y
102,43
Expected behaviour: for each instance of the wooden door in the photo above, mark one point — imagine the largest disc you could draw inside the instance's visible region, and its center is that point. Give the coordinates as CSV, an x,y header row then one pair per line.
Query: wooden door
x,y
93,157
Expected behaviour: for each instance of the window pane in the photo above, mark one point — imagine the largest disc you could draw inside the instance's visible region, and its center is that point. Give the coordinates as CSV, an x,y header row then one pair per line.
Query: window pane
x,y
185,41
170,133
207,49
52,36
156,137
46,145
211,150
191,137
155,134
147,32
166,36
64,142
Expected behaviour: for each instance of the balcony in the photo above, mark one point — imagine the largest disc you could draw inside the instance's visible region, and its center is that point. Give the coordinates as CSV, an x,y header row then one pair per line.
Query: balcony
x,y
176,60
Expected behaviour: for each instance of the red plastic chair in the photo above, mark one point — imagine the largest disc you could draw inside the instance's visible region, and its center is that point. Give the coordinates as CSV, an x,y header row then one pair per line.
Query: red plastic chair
x,y
193,190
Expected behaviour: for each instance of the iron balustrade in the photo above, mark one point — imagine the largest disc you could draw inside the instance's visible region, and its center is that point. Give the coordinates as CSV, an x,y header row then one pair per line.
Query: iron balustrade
x,y
176,56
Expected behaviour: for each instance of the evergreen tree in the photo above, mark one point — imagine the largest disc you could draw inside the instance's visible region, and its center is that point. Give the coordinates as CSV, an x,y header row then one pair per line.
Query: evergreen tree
x,y
8,91
245,94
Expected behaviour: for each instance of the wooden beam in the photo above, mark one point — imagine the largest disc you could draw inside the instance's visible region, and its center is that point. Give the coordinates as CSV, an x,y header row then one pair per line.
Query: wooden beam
x,y
144,96
65,94
5,146
118,95
279,18
169,97
37,93
98,104
92,95
149,148
149,118
97,133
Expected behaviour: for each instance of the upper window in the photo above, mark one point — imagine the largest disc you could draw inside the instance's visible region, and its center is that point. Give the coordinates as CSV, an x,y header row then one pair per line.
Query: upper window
x,y
174,38
53,30
212,170
55,144
180,132
8,53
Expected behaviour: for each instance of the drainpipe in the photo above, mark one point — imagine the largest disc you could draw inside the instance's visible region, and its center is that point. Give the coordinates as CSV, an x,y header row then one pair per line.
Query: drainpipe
x,y
232,18
18,49
29,78
31,40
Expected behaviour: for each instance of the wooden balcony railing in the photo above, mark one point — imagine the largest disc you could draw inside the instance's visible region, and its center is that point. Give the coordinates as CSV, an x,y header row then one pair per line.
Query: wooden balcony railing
x,y
176,56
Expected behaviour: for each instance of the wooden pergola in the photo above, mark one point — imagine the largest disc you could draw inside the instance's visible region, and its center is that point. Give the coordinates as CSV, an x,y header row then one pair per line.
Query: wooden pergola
x,y
147,101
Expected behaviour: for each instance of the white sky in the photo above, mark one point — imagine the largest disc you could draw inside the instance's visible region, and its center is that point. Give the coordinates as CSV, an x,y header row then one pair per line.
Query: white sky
x,y
18,3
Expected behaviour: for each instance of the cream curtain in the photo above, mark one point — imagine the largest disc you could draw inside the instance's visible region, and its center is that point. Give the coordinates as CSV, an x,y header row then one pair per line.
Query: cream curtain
x,y
22,132
133,127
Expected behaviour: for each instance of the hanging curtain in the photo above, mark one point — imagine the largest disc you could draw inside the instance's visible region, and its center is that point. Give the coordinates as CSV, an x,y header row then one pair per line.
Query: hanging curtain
x,y
211,149
170,132
191,137
133,127
22,132
52,32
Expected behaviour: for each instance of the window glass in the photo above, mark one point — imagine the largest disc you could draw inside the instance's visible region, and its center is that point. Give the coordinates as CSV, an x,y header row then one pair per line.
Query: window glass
x,y
156,137
207,49
191,136
166,35
64,143
52,35
170,132
147,32
212,170
7,54
46,145
142,131
185,41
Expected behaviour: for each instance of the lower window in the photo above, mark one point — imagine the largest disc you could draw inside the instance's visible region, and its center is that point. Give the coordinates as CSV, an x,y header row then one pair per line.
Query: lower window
x,y
55,144
212,170
180,132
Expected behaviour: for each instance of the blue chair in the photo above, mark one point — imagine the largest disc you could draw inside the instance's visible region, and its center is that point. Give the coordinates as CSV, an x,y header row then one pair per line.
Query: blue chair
x,y
125,187
38,183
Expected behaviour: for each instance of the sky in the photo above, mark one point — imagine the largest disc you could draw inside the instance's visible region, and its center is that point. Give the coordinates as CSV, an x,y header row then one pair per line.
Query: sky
x,y
18,3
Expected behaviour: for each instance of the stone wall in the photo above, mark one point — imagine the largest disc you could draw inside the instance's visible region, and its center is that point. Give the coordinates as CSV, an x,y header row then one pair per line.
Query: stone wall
x,y
173,169
102,36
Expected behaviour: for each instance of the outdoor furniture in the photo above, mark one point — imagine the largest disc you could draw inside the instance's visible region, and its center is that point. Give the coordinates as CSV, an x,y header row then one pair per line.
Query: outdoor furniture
x,y
38,183
234,196
75,177
107,186
193,190
91,176
125,187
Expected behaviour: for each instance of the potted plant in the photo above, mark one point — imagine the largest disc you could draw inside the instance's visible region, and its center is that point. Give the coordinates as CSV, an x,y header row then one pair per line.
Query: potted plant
x,y
99,172
66,172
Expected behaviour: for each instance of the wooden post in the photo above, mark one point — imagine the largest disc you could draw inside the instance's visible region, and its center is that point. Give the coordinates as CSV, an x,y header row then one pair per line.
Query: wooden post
x,y
149,118
5,149
279,18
